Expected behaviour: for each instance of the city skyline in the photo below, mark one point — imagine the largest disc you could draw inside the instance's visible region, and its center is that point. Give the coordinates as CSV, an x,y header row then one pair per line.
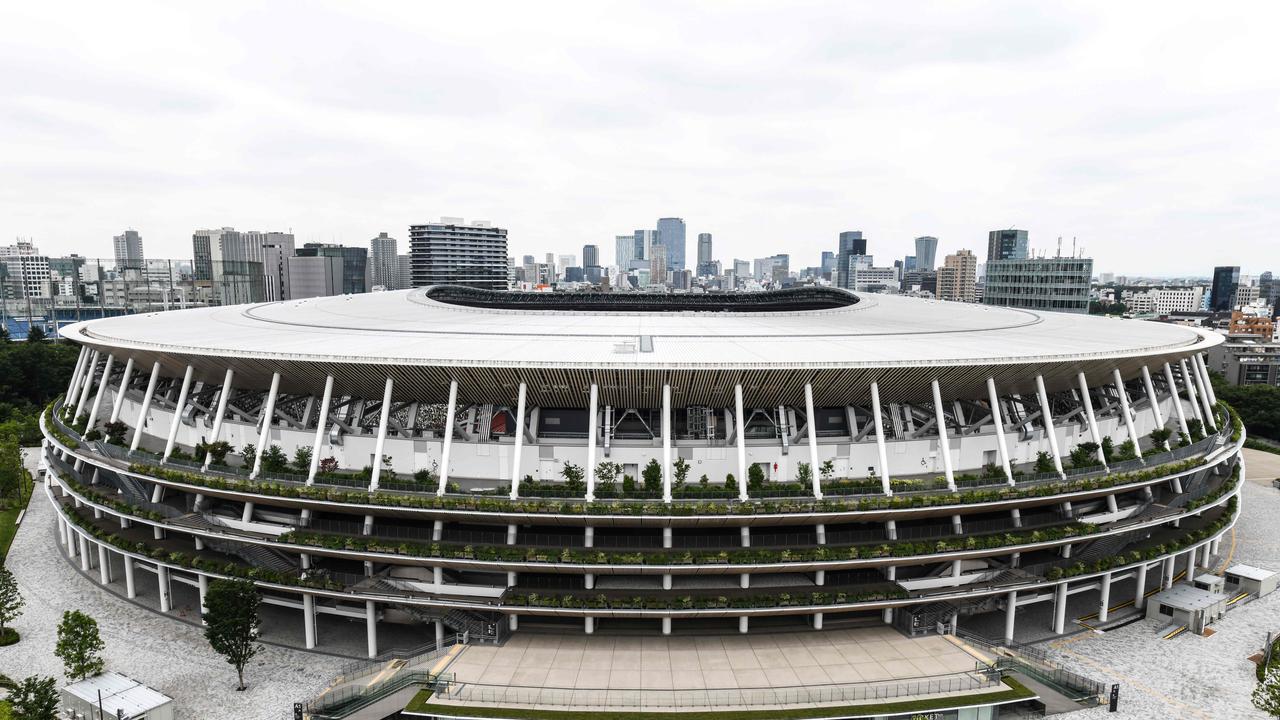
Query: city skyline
x,y
959,122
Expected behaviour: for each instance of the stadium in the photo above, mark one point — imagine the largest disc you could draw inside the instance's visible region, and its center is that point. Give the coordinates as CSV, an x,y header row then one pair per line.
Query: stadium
x,y
456,460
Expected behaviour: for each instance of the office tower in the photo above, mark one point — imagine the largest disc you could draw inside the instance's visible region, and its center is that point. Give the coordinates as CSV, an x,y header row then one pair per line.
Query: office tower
x,y
644,239
1268,289
590,256
624,250
1226,280
232,263
828,263
658,264
564,262
202,254
958,276
355,264
1008,244
128,248
926,252
404,272
24,271
314,276
741,269
671,235
384,262
852,245
1059,283
277,248
529,260
705,267
454,253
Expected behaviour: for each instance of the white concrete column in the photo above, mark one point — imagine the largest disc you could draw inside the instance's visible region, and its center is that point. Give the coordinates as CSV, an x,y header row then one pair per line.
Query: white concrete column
x,y
817,621
322,423
593,428
944,445
1189,384
177,414
1178,410
744,579
1094,432
86,385
146,406
666,626
886,484
1050,430
224,396
439,634
741,423
102,390
162,580
268,414
589,541
1204,376
1201,379
1124,407
1140,587
812,426
450,411
1010,611
76,375
1060,608
515,456
84,553
590,625
742,624
666,442
371,628
1104,600
1155,401
1167,581
309,619
104,565
381,441
890,574
124,385
130,589
994,398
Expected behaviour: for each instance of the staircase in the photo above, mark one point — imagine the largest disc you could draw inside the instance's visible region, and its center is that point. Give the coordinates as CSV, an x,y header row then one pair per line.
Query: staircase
x,y
471,625
925,619
256,555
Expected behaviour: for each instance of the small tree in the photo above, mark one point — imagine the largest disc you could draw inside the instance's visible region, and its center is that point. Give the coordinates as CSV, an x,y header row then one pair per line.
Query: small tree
x,y
731,482
680,471
628,485
1196,429
231,622
11,468
11,603
302,459
652,475
573,478
274,459
35,698
328,465
79,645
116,432
1266,696
827,469
704,480
35,334
755,478
607,472
1108,448
1160,436
1085,455
250,454
804,473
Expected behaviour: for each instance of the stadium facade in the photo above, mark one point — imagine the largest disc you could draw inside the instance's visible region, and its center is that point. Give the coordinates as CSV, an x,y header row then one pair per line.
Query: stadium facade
x,y
487,461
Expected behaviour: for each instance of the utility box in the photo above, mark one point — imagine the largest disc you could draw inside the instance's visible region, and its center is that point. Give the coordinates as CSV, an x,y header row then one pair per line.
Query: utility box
x,y
1187,605
1251,579
113,695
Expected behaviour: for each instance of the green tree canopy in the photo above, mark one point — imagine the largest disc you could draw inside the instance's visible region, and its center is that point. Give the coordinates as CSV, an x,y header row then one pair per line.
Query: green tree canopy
x,y
79,645
231,622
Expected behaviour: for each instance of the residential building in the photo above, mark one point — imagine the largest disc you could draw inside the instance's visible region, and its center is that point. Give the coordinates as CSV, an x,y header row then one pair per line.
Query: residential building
x,y
454,253
863,277
1060,284
1008,244
1245,295
315,275
384,262
1246,362
958,276
355,264
128,249
926,252
1226,280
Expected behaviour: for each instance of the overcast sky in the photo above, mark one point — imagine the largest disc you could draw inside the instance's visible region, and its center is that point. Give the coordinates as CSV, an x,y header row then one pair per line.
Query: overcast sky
x,y
1148,133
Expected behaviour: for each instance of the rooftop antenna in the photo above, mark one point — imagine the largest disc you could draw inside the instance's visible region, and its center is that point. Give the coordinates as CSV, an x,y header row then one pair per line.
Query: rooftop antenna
x,y
1059,246
1073,246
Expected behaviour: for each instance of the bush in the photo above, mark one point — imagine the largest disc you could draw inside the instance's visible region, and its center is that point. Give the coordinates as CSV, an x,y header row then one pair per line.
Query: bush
x,y
652,475
1044,462
1160,436
274,460
755,479
8,636
302,460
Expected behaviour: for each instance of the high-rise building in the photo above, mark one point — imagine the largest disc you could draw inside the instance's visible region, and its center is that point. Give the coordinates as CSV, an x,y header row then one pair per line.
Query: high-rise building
x,y
926,252
404,272
455,253
24,272
1226,280
128,249
1268,289
564,262
1059,283
277,248
958,276
624,251
355,264
828,263
233,262
1008,244
706,267
314,276
741,269
852,245
590,256
384,262
658,264
644,239
671,235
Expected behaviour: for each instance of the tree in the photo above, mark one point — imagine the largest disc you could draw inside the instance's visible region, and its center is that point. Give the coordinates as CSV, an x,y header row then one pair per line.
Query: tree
x,y
117,430
302,459
804,473
827,469
250,454
652,476
1266,696
1085,455
573,478
231,622
79,646
11,603
35,334
12,471
35,698
607,472
755,478
1160,436
680,471
1044,462
274,459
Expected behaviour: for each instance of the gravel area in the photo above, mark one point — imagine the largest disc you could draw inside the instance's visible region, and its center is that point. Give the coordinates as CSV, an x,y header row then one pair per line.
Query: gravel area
x,y
1192,676
170,656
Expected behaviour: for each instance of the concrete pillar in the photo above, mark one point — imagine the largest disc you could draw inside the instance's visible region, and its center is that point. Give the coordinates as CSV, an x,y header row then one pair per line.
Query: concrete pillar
x,y
1050,430
742,624
1016,514
76,376
102,390
811,426
124,384
1104,598
886,484
224,397
1094,432
130,589
247,514
202,583
439,634
322,423
371,628
994,398
1124,407
1112,505
891,529
744,580
1178,410
104,564
817,621
268,414
666,443
590,623
593,429
513,622
515,455
740,421
1155,401
890,574
1204,374
668,540
957,525
381,441
1202,387
1010,613
84,553
177,415
162,580
90,371
1189,384
511,540
146,406
1060,608
666,626
1168,573
1140,587
437,530
944,445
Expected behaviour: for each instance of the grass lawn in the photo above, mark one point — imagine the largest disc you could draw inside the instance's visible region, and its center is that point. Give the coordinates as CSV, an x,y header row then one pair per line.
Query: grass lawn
x,y
9,510
1015,691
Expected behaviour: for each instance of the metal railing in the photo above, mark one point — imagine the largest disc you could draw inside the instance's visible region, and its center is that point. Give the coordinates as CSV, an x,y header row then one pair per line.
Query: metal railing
x,y
345,701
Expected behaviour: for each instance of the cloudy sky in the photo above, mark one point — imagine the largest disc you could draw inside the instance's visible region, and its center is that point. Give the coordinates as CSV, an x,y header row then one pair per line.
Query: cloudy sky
x,y
1149,132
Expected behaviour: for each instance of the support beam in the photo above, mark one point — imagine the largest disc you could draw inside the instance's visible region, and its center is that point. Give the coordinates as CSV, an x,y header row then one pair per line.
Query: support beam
x,y
104,565
224,396
740,425
86,385
321,428
268,413
309,619
1060,608
994,399
1189,385
666,442
130,589
886,484
371,627
1140,587
146,406
811,425
1050,430
1201,377
1124,408
1104,599
593,427
1178,410
102,390
449,412
177,415
1155,401
1010,611
76,376
381,440
515,456
124,385
944,445
1094,432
